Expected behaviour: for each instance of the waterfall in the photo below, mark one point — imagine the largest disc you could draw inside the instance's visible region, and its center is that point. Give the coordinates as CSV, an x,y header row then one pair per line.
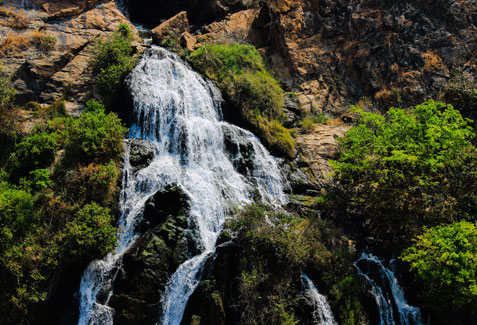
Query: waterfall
x,y
388,293
179,112
322,314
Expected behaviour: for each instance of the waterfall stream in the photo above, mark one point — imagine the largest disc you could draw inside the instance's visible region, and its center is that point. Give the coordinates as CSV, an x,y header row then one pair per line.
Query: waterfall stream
x,y
322,314
179,112
388,293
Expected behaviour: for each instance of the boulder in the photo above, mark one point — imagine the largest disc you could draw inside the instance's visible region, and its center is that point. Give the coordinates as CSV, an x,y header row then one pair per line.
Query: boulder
x,y
164,204
141,153
163,245
171,28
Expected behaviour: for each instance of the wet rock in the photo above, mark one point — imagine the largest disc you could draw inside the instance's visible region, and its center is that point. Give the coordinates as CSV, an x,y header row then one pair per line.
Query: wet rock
x,y
164,204
207,303
141,153
147,266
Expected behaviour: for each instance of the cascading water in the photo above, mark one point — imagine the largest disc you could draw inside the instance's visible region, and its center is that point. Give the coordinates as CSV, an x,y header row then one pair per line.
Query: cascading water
x,y
322,314
179,112
388,294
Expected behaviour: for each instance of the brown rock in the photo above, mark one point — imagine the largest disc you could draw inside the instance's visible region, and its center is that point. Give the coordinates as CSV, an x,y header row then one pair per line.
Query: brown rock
x,y
43,74
174,27
320,145
188,41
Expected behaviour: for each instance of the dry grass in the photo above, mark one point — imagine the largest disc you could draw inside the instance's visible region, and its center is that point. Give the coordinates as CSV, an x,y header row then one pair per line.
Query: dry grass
x,y
15,20
14,43
433,62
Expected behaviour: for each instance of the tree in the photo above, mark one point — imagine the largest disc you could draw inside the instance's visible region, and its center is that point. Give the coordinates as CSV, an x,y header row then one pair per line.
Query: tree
x,y
444,259
405,169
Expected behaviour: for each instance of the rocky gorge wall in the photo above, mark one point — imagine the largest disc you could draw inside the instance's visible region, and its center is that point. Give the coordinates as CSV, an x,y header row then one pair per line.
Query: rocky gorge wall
x,y
327,54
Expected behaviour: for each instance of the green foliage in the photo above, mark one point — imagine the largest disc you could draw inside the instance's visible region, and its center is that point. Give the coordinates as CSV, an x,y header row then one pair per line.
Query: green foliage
x,y
394,169
95,136
307,124
444,259
276,247
45,42
57,218
240,72
7,92
40,179
16,214
91,234
33,152
113,60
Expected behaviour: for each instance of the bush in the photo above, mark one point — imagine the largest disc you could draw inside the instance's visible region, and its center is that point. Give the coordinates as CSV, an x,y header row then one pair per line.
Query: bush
x,y
394,170
444,259
275,249
240,72
16,215
113,60
33,152
95,136
90,235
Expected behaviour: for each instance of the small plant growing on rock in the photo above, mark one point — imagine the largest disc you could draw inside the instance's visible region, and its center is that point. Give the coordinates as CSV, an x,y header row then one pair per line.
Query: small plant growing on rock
x,y
113,60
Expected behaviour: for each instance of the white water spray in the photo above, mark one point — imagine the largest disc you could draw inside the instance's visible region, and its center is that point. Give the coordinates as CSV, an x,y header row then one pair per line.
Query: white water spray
x,y
322,314
408,315
179,112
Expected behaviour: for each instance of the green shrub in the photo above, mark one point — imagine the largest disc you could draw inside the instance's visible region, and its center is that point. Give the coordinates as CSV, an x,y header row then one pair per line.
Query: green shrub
x,y
33,152
40,179
307,124
95,136
394,170
113,60
444,259
240,72
90,235
275,249
16,215
95,182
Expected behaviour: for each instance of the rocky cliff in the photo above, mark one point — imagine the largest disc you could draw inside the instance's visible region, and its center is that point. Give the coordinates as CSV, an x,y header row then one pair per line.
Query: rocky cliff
x,y
327,55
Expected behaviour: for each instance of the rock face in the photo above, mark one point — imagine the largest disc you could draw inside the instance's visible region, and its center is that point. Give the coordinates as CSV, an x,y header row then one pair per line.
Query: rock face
x,y
47,47
174,27
320,145
335,52
141,153
150,262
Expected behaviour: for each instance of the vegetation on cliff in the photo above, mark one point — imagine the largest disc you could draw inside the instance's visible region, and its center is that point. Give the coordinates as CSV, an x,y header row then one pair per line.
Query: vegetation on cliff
x,y
406,169
276,249
240,72
398,174
112,61
58,195
445,260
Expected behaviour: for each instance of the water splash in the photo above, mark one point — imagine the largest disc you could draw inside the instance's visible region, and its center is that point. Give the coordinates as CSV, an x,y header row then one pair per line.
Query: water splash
x,y
179,112
322,314
385,300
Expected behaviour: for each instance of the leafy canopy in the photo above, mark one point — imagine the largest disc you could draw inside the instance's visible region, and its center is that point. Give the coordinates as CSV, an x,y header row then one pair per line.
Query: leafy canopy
x,y
406,169
403,143
95,135
445,259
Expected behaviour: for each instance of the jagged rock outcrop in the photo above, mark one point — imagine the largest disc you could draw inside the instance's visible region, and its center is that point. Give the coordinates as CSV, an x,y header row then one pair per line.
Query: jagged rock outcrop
x,y
335,52
46,46
153,258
